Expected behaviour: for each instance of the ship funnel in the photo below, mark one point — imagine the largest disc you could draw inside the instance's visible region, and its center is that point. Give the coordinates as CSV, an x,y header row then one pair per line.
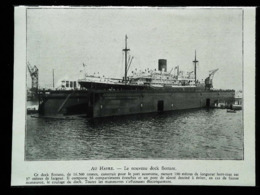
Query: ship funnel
x,y
162,65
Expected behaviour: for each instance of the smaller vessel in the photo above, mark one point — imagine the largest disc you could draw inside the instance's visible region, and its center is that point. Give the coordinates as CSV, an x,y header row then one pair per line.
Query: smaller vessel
x,y
32,109
236,107
231,111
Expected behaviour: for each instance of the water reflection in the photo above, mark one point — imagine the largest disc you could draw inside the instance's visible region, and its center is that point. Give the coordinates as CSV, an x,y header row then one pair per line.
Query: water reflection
x,y
189,134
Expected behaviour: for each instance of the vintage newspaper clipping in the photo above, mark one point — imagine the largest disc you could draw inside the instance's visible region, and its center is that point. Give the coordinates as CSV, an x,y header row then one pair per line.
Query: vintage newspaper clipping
x,y
134,96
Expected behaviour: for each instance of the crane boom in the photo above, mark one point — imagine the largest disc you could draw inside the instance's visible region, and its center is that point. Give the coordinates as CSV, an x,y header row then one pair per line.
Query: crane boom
x,y
212,72
189,73
29,68
34,75
208,80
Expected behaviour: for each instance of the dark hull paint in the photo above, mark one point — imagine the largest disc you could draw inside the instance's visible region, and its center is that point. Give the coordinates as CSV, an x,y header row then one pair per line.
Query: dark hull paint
x,y
115,86
100,103
114,104
122,86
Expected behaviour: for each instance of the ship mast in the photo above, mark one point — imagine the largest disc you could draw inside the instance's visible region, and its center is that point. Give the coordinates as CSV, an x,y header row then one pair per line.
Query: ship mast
x,y
126,50
195,67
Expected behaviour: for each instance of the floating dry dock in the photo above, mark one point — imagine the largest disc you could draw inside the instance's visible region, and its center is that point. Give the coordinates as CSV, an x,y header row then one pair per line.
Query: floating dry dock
x,y
100,103
142,92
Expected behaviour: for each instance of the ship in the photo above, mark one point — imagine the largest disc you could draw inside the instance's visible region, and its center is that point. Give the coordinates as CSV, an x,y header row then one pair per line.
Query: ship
x,y
149,91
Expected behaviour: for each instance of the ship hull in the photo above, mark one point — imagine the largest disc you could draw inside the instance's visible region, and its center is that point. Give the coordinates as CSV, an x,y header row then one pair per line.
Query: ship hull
x,y
98,103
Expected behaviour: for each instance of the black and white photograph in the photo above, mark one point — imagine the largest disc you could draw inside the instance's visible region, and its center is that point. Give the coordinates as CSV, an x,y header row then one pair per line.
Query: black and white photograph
x,y
134,83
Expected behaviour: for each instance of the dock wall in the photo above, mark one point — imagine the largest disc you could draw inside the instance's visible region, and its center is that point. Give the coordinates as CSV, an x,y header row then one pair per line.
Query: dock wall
x,y
64,103
114,103
122,103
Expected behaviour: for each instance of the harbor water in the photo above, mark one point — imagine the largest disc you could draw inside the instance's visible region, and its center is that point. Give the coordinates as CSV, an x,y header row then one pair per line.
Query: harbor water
x,y
212,134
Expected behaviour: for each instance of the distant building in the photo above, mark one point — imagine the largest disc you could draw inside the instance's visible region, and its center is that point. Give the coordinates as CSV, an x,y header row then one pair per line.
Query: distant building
x,y
69,85
239,97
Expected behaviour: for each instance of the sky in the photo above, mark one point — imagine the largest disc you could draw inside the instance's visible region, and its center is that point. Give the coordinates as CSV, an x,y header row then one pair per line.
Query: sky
x,y
63,39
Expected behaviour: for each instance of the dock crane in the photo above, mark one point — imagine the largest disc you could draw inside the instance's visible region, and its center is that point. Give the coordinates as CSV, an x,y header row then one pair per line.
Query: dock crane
x,y
34,75
208,80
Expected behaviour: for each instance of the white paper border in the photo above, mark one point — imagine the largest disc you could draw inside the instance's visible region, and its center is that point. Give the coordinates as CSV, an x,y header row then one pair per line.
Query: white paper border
x,y
246,167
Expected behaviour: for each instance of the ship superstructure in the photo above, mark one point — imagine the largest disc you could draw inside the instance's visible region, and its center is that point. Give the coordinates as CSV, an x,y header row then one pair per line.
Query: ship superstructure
x,y
148,79
161,78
